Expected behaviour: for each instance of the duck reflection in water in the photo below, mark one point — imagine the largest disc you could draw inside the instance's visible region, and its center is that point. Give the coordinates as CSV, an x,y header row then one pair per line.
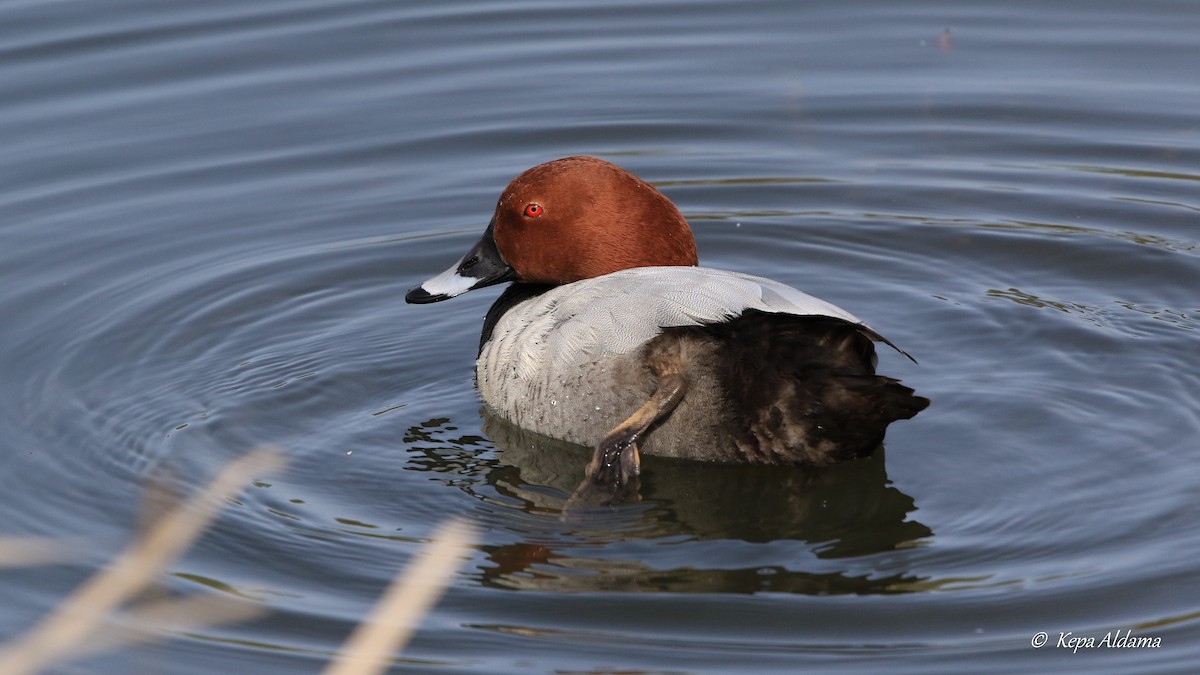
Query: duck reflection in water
x,y
837,514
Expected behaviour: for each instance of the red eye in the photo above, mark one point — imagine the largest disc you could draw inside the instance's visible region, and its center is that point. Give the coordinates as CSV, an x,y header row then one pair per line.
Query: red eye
x,y
533,210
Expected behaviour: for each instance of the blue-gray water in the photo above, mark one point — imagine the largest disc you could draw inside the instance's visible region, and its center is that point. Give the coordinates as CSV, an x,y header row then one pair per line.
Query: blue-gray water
x,y
210,211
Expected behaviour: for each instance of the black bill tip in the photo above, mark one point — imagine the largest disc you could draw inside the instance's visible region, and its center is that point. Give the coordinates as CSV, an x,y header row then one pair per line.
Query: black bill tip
x,y
420,296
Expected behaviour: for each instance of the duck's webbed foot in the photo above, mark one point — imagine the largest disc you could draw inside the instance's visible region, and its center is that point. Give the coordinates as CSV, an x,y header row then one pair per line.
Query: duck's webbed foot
x,y
616,462
612,475
616,458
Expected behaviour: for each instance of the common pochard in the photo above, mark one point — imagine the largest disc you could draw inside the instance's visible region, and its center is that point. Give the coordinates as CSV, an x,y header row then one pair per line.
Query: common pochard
x,y
612,337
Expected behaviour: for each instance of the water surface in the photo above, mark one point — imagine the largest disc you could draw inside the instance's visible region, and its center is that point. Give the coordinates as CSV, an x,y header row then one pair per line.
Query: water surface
x,y
210,213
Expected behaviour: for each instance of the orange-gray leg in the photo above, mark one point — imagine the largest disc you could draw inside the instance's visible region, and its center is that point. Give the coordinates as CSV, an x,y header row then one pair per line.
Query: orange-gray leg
x,y
616,458
612,473
616,462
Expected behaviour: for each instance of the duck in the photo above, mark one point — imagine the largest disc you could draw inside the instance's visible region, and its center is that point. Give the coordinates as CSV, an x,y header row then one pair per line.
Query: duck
x,y
612,336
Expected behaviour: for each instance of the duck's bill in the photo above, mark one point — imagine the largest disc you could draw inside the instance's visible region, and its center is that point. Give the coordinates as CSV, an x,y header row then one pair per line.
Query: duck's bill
x,y
481,266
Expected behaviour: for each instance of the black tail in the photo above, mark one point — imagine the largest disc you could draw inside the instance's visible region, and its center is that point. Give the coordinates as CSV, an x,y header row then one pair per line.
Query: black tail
x,y
803,389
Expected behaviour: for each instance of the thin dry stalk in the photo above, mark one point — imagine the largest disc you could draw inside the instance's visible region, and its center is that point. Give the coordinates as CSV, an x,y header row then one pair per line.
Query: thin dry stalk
x,y
407,599
147,621
77,617
31,551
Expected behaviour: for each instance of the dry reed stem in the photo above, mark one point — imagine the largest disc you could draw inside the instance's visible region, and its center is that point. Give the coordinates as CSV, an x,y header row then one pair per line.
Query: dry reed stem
x,y
386,631
146,621
77,617
31,551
